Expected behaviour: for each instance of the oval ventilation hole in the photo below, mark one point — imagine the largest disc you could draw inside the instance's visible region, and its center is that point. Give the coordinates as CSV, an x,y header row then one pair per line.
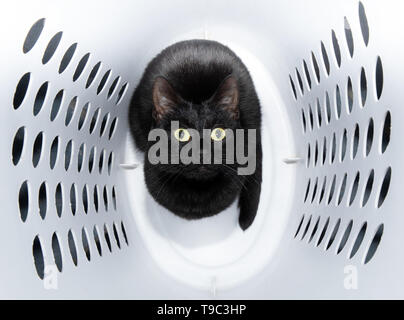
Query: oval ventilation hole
x,y
307,191
315,66
113,87
112,128
358,241
324,150
342,189
349,37
349,95
299,81
325,58
118,242
332,189
86,245
384,188
337,50
364,87
303,122
21,90
80,66
83,115
38,255
51,48
343,145
307,74
70,111
72,247
18,145
93,74
337,103
292,85
54,150
355,142
57,252
124,233
314,230
333,149
85,199
316,154
121,93
97,240
94,120
306,229
107,239
105,197
104,124
59,200
368,188
23,201
57,102
101,161
37,149
33,35
80,157
379,78
386,132
374,244
322,192
299,226
369,137
91,159
68,154
110,162
345,237
308,156
323,232
103,81
363,23
333,234
327,107
73,197
354,189
314,190
114,198
319,117
67,57
95,198
311,118
40,98
42,200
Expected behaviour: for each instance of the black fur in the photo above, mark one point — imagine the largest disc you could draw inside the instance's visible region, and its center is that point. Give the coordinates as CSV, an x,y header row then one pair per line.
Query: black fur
x,y
195,70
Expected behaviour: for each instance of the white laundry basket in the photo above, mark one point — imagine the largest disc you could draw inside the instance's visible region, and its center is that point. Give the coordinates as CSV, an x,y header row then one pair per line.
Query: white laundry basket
x,y
76,220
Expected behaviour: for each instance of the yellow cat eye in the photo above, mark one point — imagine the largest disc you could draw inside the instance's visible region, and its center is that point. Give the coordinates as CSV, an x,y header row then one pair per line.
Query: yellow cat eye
x,y
218,134
182,135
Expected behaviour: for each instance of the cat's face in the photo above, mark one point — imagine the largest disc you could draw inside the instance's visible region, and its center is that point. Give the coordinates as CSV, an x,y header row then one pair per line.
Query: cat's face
x,y
219,115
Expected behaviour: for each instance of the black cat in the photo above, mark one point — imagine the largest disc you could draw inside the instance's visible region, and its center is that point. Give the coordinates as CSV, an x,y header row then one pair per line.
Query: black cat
x,y
203,85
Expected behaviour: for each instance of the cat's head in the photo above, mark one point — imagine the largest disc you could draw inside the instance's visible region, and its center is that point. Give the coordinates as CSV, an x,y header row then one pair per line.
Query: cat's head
x,y
220,114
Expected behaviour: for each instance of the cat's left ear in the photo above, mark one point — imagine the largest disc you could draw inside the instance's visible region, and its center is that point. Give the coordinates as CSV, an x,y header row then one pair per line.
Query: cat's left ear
x,y
227,97
164,98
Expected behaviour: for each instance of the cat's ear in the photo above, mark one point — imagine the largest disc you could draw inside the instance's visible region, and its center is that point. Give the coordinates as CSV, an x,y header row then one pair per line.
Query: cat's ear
x,y
227,96
164,98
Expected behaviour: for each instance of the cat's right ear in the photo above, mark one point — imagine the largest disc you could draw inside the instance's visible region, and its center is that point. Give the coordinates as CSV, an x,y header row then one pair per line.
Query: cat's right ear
x,y
164,98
